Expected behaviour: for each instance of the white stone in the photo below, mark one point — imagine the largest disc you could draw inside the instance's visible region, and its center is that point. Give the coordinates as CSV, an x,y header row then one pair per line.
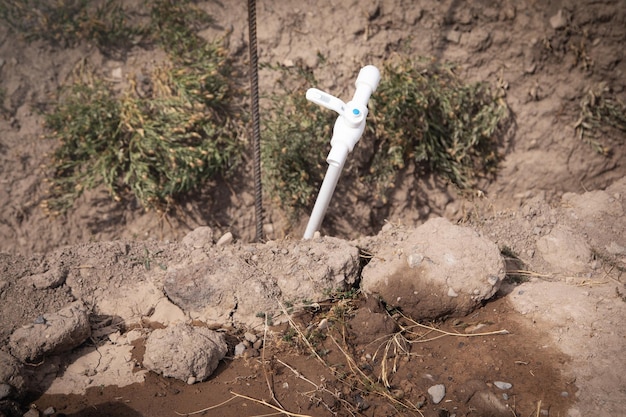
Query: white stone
x,y
437,392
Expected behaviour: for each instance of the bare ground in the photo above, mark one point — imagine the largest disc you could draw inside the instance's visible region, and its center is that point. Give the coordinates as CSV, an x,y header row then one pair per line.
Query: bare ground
x,y
567,331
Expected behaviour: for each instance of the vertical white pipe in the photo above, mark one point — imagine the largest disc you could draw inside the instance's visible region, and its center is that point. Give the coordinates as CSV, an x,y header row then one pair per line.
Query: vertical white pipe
x,y
323,199
346,133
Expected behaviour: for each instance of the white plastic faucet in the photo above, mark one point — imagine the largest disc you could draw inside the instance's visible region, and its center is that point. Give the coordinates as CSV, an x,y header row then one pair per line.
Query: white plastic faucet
x,y
346,133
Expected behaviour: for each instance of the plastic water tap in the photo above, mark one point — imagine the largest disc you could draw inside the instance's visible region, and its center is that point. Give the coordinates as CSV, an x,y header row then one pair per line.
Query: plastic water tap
x,y
348,130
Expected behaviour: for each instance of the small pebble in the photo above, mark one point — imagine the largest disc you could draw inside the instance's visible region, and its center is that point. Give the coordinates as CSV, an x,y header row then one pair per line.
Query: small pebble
x,y
226,239
437,392
116,72
239,349
558,21
503,385
505,397
323,324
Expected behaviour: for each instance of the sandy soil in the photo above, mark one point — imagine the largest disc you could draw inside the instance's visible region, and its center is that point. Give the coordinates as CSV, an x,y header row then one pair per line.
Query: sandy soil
x,y
566,325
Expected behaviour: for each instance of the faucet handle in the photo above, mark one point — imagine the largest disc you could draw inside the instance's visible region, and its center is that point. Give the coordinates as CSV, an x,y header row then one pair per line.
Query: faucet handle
x,y
325,100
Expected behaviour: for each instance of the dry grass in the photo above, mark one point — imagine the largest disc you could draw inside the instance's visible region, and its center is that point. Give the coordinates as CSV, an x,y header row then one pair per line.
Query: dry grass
x,y
391,348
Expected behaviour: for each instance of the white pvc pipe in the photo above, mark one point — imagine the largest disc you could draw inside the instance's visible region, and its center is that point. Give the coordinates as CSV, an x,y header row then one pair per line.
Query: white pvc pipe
x,y
323,200
346,133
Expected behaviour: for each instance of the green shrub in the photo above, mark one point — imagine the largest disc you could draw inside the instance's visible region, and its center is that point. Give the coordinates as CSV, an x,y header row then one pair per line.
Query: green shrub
x,y
157,145
67,22
423,112
295,141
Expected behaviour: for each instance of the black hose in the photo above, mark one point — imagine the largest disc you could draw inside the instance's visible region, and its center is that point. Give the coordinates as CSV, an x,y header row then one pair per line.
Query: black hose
x,y
256,124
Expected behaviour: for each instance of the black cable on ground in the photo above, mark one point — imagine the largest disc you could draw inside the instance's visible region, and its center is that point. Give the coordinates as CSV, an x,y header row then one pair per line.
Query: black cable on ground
x,y
256,123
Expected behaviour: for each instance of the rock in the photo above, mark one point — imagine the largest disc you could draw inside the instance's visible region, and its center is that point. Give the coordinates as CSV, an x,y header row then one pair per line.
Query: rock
x,y
239,349
436,270
222,289
453,36
268,229
183,351
116,73
324,324
200,237
309,269
486,403
226,239
558,21
437,392
53,278
503,385
130,301
33,412
59,332
49,411
565,251
248,283
12,382
250,337
596,216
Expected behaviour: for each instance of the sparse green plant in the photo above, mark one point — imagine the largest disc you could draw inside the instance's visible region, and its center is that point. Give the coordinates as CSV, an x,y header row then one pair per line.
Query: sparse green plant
x,y
148,258
290,335
316,338
294,141
66,23
174,25
423,112
337,294
156,145
600,111
267,317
